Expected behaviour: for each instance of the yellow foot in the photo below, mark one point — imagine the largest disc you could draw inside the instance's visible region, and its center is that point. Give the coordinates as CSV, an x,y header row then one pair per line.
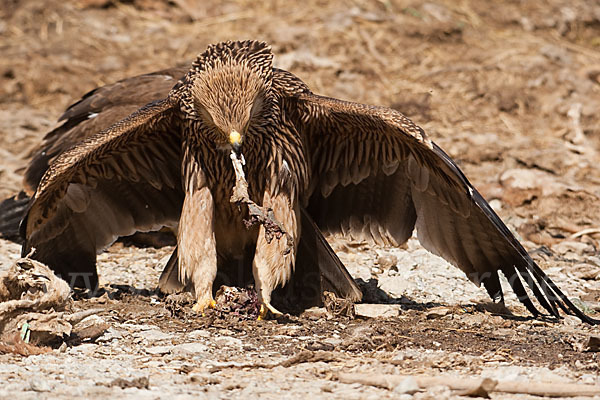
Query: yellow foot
x,y
199,307
265,308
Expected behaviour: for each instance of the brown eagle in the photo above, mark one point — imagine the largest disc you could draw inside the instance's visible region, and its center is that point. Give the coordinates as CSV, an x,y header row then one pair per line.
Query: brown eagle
x,y
154,151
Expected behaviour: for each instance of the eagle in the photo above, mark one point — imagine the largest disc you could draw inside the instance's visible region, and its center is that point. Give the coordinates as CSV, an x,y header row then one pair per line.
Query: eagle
x,y
156,151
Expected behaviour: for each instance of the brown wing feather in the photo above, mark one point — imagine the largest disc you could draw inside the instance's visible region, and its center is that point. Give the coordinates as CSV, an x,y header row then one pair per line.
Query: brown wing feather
x,y
97,110
116,182
376,175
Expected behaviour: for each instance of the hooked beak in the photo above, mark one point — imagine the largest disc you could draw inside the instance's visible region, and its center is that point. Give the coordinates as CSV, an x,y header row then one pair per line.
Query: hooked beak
x,y
235,139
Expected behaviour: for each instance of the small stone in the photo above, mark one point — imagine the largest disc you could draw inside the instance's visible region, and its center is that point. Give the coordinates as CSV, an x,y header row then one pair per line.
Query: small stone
x,y
158,350
437,313
475,320
138,327
227,341
333,341
571,320
585,271
91,327
110,334
189,349
496,204
315,313
198,333
327,388
39,385
578,248
377,310
140,383
155,335
85,348
387,261
407,386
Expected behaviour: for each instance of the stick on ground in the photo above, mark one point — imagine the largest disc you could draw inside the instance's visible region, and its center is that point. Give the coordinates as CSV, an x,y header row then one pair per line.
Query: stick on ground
x,y
466,384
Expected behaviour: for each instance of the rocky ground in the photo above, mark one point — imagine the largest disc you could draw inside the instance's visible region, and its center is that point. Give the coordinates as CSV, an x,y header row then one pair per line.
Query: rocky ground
x,y
509,89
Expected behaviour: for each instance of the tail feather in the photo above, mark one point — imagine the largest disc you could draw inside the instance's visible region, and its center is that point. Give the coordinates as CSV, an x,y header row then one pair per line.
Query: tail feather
x,y
169,279
314,249
12,211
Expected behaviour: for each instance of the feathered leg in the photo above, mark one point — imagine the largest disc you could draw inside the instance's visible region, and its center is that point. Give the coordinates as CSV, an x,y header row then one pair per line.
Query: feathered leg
x,y
274,261
196,246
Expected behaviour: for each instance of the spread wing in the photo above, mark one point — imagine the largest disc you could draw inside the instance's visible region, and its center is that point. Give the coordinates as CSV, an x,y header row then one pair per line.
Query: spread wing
x,y
124,179
97,110
375,175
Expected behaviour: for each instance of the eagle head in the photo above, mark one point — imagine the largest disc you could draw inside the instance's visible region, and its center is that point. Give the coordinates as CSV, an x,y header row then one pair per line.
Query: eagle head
x,y
228,90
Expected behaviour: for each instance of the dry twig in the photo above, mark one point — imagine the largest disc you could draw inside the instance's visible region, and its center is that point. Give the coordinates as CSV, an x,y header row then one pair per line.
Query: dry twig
x,y
589,231
473,384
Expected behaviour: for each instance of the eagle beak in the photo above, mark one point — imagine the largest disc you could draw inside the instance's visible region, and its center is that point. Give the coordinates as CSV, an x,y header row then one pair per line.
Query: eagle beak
x,y
235,139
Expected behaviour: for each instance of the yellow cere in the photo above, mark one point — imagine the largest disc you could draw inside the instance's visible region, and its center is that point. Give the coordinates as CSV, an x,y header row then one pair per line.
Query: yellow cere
x,y
235,137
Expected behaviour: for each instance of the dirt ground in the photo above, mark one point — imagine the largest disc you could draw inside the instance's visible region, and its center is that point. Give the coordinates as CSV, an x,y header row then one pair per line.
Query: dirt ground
x,y
510,89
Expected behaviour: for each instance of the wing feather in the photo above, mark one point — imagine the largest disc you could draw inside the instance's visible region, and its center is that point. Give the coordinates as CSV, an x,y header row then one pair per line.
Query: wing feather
x,y
112,184
97,110
402,180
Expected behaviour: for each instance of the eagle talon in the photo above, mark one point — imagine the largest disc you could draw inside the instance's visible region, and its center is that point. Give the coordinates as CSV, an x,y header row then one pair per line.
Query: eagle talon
x,y
200,307
265,308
